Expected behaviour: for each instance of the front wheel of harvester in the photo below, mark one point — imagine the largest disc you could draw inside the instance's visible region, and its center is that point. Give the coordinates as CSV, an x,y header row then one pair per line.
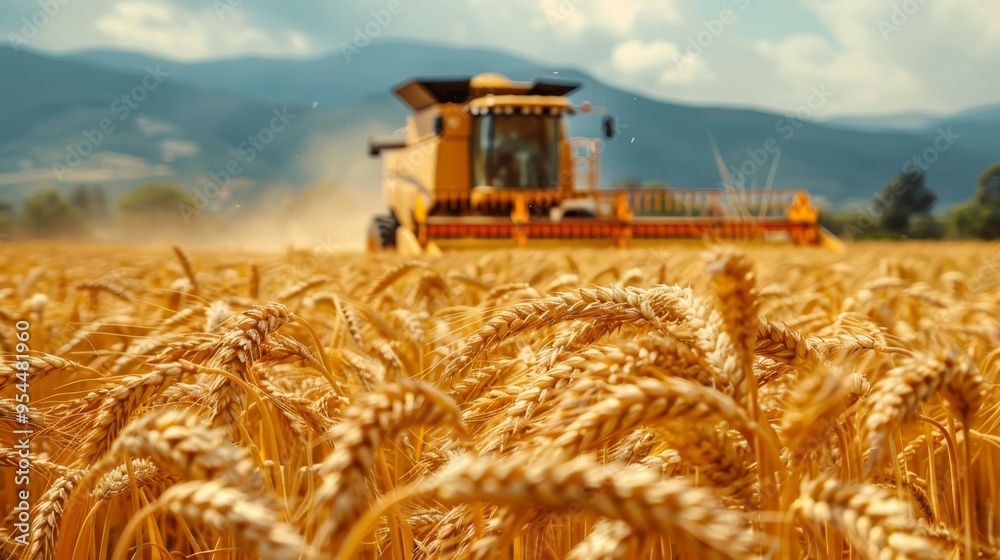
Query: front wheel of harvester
x,y
382,233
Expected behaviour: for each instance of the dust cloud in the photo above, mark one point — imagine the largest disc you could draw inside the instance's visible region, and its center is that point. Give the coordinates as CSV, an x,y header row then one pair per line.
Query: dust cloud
x,y
331,215
324,215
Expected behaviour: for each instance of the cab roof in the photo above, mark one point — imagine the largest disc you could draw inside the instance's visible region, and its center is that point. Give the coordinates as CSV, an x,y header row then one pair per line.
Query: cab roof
x,y
420,93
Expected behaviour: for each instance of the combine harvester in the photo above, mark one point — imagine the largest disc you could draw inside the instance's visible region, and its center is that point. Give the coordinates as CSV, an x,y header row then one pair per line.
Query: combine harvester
x,y
487,162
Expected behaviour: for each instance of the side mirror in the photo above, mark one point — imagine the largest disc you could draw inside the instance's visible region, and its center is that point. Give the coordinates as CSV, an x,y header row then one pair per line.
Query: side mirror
x,y
609,126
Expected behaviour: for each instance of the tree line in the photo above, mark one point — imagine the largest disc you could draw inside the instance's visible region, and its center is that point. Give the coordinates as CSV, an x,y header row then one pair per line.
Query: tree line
x,y
903,209
48,213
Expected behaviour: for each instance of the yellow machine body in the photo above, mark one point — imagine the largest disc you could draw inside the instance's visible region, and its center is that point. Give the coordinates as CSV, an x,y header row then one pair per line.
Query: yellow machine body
x,y
486,161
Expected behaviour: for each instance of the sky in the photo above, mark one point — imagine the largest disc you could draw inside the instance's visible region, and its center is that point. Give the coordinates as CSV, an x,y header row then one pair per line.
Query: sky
x,y
866,56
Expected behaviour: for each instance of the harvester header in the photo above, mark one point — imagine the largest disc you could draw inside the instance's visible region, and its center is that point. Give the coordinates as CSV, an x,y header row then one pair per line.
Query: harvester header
x,y
488,161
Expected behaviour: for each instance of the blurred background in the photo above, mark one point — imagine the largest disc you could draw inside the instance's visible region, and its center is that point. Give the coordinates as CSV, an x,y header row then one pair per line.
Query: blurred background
x,y
236,121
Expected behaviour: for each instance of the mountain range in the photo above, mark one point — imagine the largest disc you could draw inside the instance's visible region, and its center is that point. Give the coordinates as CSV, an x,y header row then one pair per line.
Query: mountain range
x,y
260,126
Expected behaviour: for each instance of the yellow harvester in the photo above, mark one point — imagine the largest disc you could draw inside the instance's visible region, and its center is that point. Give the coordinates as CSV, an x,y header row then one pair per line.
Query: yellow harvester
x,y
487,161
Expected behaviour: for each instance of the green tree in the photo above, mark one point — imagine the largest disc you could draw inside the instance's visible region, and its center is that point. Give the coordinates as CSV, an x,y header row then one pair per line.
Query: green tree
x,y
50,213
836,221
925,226
91,202
6,217
980,217
988,196
989,186
967,219
157,201
901,199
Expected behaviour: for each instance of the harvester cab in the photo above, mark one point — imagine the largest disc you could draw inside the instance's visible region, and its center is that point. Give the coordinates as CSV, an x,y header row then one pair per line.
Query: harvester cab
x,y
487,161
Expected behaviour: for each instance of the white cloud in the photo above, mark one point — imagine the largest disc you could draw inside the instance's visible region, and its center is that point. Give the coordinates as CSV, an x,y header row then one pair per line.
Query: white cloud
x,y
152,127
634,56
619,17
662,62
298,41
932,57
146,25
926,61
901,55
173,148
102,166
938,59
690,70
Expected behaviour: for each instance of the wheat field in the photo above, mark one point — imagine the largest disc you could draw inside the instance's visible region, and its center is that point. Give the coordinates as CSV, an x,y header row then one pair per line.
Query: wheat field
x,y
685,402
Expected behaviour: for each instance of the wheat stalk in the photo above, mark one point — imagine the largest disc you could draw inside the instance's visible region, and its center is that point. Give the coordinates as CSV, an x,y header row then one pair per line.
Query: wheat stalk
x,y
637,496
876,524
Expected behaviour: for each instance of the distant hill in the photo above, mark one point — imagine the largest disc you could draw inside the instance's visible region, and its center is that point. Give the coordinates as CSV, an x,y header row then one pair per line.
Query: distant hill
x,y
332,80
917,120
170,130
192,125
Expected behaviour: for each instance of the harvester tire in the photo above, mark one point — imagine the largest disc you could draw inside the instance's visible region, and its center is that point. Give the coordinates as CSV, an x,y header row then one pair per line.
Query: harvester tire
x,y
382,233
